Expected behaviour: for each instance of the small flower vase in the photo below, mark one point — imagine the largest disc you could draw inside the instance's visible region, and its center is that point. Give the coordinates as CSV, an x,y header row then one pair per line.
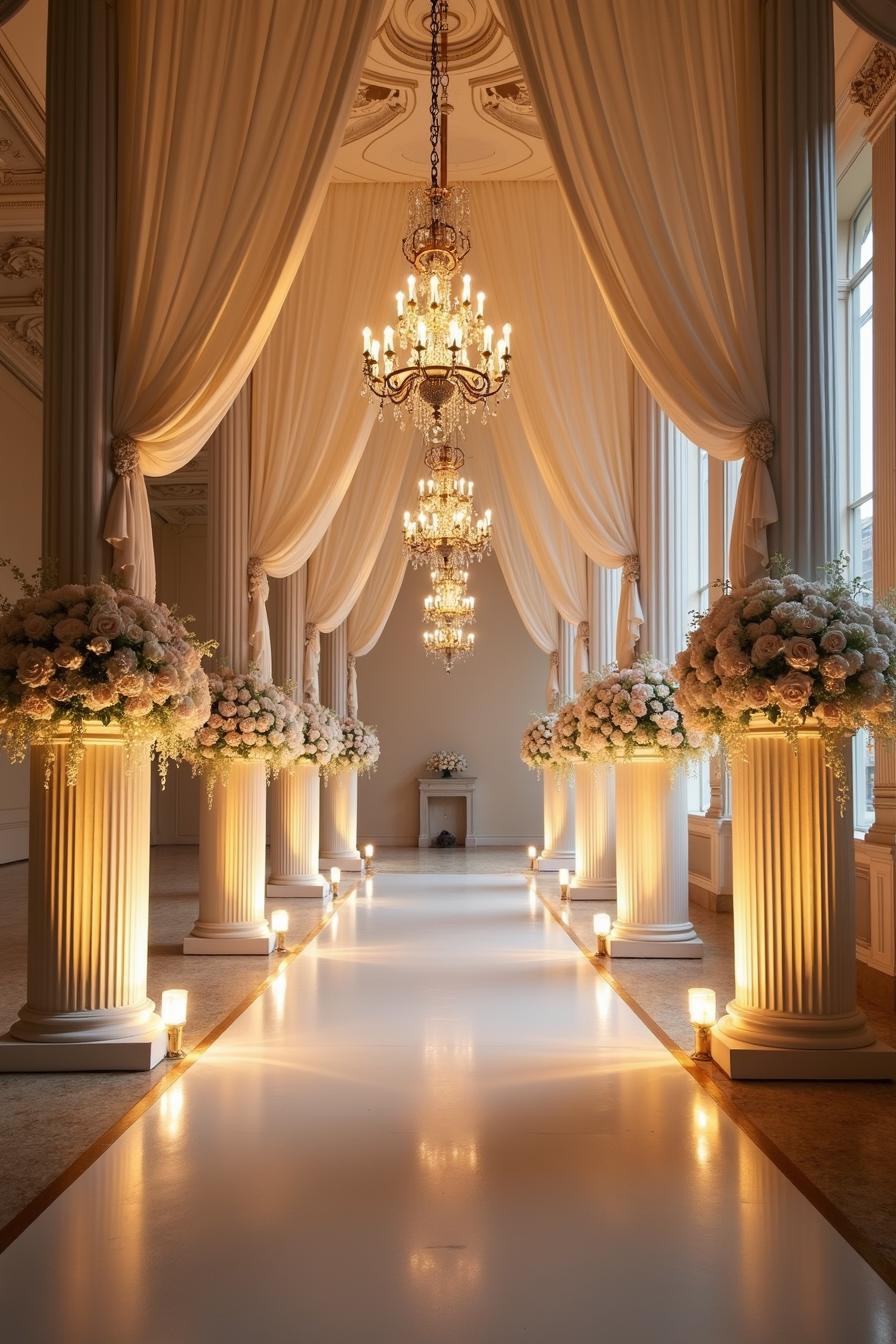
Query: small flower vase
x,y
446,774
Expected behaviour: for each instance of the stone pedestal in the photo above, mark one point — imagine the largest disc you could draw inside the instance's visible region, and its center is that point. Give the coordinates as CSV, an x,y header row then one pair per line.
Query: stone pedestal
x,y
794,1014
232,868
295,834
652,861
559,818
595,831
88,913
339,823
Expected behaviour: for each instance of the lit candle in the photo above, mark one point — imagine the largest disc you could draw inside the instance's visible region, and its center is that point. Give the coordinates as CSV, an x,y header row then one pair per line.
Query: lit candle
x,y
470,488
487,335
375,352
399,303
388,335
368,851
280,923
335,877
602,925
174,1014
412,289
563,876
488,517
465,296
502,351
533,855
480,303
421,333
434,291
702,1012
454,336
420,487
366,333
506,329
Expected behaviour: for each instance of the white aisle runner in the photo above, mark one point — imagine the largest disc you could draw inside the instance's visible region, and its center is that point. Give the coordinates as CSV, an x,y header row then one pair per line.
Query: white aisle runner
x,y
438,1125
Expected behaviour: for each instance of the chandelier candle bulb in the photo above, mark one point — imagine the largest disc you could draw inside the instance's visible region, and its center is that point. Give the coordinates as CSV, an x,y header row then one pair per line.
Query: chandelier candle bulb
x,y
280,924
702,1012
487,335
480,304
388,340
465,296
399,303
174,1015
412,289
434,291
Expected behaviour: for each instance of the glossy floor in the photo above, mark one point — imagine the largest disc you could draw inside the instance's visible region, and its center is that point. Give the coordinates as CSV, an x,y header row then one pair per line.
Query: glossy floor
x,y
438,1124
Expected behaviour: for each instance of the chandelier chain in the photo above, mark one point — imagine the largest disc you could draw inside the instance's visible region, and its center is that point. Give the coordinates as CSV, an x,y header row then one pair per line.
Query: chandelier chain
x,y
435,24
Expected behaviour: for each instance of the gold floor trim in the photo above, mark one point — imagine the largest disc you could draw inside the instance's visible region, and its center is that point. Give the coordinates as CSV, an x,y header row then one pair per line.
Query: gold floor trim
x,y
36,1206
702,1075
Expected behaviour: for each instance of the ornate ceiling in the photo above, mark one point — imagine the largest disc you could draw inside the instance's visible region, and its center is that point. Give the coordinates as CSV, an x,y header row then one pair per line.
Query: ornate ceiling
x,y
493,133
21,218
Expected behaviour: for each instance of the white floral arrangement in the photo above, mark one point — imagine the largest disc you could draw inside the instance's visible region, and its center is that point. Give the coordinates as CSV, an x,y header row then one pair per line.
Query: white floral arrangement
x,y
250,719
632,707
446,760
88,652
359,748
791,649
321,740
536,747
567,745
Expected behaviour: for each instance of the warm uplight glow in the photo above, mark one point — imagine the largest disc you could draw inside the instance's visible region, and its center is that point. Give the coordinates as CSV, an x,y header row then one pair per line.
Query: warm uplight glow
x,y
563,876
602,924
368,851
335,876
280,920
533,855
701,1007
174,1007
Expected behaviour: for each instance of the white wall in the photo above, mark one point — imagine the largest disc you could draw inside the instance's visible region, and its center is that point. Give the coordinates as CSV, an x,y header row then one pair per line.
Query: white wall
x,y
21,452
480,709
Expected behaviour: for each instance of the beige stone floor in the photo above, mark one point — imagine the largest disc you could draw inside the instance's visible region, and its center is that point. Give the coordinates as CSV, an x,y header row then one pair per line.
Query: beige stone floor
x,y
835,1140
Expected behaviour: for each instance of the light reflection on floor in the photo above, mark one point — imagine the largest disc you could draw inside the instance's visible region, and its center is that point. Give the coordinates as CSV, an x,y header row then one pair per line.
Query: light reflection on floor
x,y
437,1124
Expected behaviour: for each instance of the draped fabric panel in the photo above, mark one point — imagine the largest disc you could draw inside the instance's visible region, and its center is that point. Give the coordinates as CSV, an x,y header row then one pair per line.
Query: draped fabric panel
x,y
657,146
310,422
369,615
342,563
572,383
229,118
527,590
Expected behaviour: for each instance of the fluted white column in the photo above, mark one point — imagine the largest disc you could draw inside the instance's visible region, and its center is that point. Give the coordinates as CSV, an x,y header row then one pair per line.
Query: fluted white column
x,y
595,833
651,861
232,867
794,1014
232,829
339,796
295,793
559,823
88,914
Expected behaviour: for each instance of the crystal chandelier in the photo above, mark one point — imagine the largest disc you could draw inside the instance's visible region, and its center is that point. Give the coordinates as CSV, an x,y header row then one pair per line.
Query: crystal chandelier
x,y
448,641
453,364
446,524
449,601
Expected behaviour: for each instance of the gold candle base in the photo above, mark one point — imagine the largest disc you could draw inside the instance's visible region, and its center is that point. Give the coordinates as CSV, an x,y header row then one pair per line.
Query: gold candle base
x,y
601,945
533,865
280,945
702,1042
176,1042
334,889
564,893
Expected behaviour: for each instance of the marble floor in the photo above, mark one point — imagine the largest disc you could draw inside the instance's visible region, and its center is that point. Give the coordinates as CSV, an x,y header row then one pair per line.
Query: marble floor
x,y
437,1123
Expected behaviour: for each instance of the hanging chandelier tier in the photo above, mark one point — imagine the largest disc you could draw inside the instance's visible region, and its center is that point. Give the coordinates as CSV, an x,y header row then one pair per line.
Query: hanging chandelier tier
x,y
453,363
449,642
449,602
446,523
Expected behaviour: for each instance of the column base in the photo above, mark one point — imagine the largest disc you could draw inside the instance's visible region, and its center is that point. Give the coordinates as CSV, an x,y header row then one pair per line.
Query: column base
x,y
286,888
552,862
739,1059
214,941
592,888
677,941
347,863
134,1054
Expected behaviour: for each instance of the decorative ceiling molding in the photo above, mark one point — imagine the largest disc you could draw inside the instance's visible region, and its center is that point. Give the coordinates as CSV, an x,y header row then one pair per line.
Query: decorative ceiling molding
x,y
505,99
875,79
474,34
181,498
378,104
22,186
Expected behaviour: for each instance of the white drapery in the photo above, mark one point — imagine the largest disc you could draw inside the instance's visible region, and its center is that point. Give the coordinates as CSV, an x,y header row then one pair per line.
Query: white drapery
x,y
368,617
229,119
343,562
571,397
657,147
